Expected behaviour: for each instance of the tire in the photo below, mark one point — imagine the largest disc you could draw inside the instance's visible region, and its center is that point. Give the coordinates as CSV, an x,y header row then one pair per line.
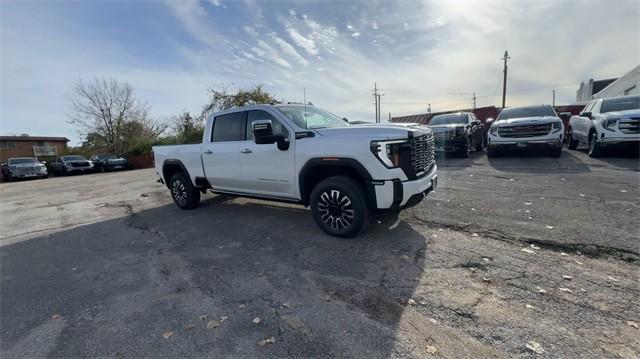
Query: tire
x,y
339,206
464,152
182,192
573,144
594,148
479,145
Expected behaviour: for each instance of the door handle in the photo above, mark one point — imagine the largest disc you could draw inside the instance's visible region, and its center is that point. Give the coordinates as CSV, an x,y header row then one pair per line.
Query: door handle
x,y
246,150
208,152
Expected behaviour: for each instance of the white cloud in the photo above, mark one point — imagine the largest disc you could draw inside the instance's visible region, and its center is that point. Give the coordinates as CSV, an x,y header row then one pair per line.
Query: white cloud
x,y
406,26
374,26
249,30
307,44
272,55
289,50
356,35
216,2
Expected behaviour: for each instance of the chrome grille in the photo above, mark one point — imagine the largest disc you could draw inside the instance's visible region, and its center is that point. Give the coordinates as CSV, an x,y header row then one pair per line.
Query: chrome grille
x,y
80,164
26,171
629,125
524,130
422,153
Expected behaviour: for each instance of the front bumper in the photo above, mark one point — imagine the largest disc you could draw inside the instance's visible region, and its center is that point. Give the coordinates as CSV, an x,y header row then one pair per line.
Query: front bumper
x,y
397,194
79,169
443,144
619,140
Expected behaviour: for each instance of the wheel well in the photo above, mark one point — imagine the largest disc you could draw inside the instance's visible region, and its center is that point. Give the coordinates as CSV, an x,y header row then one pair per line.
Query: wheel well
x,y
171,168
314,175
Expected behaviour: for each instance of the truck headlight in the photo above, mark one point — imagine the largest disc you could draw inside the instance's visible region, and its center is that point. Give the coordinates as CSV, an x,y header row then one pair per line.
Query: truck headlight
x,y
388,152
556,126
493,130
610,124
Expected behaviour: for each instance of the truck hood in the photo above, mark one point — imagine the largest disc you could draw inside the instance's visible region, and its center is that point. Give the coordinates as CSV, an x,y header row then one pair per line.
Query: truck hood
x,y
528,121
26,165
390,131
617,114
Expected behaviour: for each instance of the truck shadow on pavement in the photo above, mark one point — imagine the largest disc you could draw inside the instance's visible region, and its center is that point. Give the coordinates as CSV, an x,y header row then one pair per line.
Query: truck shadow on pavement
x,y
450,162
172,283
531,162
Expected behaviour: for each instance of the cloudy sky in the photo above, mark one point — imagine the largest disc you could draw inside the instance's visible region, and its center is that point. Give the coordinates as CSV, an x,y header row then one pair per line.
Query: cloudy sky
x,y
418,52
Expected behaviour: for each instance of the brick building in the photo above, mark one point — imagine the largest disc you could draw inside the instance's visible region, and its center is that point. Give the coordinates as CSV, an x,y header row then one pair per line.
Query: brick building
x,y
31,146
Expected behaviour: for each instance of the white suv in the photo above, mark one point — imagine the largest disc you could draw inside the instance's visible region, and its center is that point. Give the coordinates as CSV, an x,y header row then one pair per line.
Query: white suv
x,y
528,127
606,122
305,155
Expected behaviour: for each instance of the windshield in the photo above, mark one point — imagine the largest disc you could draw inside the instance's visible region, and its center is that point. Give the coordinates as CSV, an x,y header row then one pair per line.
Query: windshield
x,y
620,104
21,161
73,158
311,118
520,112
449,119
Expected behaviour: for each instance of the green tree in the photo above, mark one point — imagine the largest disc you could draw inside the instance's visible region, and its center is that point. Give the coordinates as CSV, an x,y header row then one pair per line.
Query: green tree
x,y
220,100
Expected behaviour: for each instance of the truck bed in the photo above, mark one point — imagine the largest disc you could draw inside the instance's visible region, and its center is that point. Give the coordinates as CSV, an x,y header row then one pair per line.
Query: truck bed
x,y
188,155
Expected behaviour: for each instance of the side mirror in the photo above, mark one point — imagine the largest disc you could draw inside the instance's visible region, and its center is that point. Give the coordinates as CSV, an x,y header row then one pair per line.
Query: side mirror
x,y
263,135
489,120
565,115
475,122
587,114
345,119
43,162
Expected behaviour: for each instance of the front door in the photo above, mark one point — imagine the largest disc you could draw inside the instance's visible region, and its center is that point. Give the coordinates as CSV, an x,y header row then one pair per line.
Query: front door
x,y
266,169
220,152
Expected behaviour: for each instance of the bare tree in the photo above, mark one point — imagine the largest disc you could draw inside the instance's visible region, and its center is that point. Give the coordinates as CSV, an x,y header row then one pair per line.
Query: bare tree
x,y
107,108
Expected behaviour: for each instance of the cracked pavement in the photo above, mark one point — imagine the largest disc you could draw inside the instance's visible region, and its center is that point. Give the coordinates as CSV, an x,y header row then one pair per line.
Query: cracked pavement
x,y
105,265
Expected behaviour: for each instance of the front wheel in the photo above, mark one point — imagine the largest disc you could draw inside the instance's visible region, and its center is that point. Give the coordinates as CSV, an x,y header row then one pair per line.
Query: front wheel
x,y
573,144
594,148
183,193
339,206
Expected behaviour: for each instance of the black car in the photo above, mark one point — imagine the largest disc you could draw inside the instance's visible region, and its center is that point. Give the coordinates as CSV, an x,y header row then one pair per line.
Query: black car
x,y
457,133
71,164
109,163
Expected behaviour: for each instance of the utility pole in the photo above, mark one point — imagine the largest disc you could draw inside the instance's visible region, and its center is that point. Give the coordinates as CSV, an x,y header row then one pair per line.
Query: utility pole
x,y
504,81
429,109
379,112
389,117
554,98
376,99
474,100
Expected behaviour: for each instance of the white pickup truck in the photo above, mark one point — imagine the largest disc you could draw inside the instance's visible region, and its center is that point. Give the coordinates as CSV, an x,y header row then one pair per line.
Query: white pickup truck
x,y
528,128
305,155
606,122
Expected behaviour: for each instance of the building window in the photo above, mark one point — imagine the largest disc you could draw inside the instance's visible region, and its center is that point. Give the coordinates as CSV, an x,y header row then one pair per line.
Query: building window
x,y
628,91
8,144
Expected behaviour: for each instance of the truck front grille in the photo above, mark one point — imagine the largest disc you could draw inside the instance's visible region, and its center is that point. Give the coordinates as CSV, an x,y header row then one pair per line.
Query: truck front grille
x,y
525,130
422,155
629,125
26,171
79,164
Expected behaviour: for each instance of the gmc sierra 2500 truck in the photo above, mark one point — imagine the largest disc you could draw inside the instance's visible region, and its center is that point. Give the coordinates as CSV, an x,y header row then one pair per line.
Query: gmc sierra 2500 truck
x,y
305,155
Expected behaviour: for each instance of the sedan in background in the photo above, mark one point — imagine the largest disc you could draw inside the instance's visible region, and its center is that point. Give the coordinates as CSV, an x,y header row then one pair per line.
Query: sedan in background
x,y
71,164
104,163
457,133
23,167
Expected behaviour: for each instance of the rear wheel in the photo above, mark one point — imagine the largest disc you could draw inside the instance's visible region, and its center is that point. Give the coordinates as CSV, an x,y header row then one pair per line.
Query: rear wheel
x,y
183,193
339,206
595,150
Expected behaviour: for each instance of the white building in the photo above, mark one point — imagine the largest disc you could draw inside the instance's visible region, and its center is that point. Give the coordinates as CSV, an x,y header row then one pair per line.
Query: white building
x,y
628,84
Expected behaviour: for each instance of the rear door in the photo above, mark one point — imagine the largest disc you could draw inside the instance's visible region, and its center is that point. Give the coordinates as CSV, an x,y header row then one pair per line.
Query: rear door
x,y
220,152
267,170
581,124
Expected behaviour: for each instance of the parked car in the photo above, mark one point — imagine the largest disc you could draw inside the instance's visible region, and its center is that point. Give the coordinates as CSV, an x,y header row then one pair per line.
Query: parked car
x,y
103,163
606,122
23,167
304,155
457,133
64,165
530,127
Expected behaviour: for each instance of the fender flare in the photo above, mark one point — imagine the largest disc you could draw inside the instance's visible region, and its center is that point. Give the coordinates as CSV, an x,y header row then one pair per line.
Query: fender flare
x,y
350,163
173,162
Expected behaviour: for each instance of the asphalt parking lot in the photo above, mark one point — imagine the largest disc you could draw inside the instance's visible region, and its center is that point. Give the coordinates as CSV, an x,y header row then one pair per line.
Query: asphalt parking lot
x,y
509,257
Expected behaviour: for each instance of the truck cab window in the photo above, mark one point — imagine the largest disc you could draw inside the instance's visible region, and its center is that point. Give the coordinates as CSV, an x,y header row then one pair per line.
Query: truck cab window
x,y
278,128
229,127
